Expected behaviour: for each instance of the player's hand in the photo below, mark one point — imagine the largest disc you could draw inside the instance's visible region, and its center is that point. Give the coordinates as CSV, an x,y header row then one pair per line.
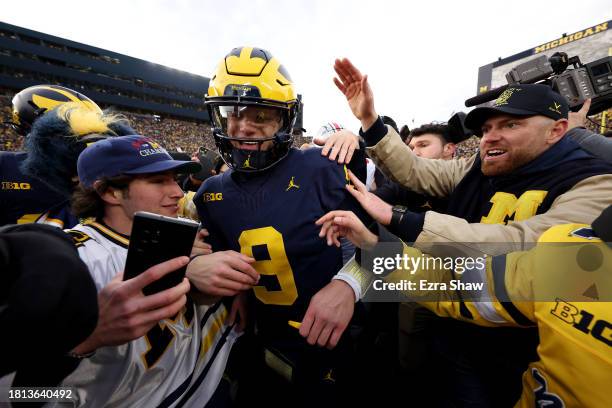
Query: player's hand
x,y
328,315
239,311
578,119
357,91
223,273
374,205
199,246
341,144
125,313
336,224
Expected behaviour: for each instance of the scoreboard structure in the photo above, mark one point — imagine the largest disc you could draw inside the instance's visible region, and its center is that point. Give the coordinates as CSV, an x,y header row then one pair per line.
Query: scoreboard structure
x,y
590,44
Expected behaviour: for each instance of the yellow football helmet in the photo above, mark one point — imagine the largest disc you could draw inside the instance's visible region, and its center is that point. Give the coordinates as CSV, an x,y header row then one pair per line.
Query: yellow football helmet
x,y
34,101
251,77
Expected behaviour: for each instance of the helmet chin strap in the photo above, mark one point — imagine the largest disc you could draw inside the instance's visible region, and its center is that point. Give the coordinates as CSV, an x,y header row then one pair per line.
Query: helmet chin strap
x,y
251,160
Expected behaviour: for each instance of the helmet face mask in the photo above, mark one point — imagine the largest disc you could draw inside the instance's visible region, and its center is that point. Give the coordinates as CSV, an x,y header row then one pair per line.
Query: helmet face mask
x,y
255,120
253,108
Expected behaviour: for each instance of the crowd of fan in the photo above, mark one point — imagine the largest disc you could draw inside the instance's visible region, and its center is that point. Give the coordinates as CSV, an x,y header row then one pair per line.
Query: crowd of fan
x,y
9,140
181,135
173,134
467,148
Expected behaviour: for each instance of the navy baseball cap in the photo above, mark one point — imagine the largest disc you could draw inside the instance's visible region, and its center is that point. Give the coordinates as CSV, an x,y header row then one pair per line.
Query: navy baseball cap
x,y
129,155
521,100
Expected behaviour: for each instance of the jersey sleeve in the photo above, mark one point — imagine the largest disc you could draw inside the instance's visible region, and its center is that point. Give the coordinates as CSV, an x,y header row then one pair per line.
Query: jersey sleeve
x,y
95,256
331,185
333,192
490,291
215,237
435,178
505,279
359,165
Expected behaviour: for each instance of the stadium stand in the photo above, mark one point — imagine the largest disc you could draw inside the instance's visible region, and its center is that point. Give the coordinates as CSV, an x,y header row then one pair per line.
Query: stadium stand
x,y
467,148
161,102
172,133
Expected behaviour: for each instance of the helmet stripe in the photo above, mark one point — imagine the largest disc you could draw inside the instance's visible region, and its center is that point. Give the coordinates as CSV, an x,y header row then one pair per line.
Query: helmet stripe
x,y
43,102
259,53
70,96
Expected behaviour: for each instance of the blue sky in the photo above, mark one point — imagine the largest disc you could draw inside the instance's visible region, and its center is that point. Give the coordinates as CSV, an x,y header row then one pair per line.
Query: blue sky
x,y
422,57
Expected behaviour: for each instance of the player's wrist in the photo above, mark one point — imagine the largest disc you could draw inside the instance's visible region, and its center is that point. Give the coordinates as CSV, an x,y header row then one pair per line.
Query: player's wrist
x,y
346,288
350,283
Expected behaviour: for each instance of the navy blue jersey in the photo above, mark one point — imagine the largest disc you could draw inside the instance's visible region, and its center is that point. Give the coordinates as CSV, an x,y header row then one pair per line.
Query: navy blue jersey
x,y
60,215
22,198
271,216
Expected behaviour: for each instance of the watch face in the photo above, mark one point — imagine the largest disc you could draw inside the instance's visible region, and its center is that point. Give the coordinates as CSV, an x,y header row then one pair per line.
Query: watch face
x,y
400,209
397,214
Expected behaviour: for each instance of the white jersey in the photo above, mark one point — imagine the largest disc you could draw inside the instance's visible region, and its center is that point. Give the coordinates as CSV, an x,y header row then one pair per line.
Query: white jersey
x,y
178,363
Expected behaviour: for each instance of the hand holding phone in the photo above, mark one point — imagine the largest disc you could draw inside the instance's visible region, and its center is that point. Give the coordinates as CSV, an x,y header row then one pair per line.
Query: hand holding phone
x,y
154,239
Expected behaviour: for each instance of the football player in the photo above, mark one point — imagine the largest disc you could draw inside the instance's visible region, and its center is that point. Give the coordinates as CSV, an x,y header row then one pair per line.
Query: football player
x,y
24,198
260,215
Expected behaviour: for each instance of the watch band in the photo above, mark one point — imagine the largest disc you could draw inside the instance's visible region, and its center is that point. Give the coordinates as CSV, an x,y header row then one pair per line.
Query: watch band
x,y
397,213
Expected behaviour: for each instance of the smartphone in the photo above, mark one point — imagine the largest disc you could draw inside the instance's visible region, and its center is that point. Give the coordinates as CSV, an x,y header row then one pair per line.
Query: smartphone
x,y
154,239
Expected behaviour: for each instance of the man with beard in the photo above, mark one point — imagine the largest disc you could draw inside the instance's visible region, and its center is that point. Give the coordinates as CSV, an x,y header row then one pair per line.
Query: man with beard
x,y
527,178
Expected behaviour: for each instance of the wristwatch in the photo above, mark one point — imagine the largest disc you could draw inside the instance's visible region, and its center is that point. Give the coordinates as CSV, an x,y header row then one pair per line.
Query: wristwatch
x,y
397,213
